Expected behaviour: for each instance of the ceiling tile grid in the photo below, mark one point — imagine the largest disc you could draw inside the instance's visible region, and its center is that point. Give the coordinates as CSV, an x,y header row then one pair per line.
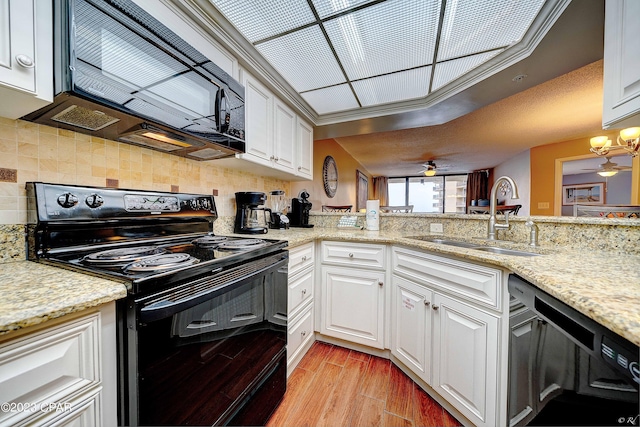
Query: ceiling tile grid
x,y
384,49
448,71
390,36
304,59
393,87
331,99
472,26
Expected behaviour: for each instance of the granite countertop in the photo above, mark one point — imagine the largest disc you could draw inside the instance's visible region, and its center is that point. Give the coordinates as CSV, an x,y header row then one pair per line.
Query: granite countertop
x,y
33,293
604,286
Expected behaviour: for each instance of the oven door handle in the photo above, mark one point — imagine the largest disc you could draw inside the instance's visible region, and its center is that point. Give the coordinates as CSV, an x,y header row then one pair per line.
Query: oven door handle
x,y
159,307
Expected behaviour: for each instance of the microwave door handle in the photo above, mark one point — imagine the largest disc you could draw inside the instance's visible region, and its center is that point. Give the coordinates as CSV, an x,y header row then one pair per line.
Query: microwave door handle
x,y
222,123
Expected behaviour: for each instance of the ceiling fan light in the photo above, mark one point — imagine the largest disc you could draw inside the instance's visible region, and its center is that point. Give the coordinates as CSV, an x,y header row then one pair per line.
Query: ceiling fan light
x,y
430,172
630,133
600,142
607,173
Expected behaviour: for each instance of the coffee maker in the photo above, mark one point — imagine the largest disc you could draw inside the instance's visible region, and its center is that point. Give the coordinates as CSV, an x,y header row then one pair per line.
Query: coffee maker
x,y
248,204
300,207
277,202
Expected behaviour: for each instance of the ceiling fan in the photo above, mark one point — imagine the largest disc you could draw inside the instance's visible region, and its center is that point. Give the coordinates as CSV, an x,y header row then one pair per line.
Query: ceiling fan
x,y
429,168
609,168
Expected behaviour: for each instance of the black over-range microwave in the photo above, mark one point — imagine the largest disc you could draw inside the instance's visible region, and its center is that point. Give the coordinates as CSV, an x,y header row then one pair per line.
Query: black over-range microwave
x,y
120,74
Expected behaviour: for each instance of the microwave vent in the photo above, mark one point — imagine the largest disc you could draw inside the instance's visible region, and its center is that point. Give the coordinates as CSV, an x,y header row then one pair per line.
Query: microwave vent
x,y
84,118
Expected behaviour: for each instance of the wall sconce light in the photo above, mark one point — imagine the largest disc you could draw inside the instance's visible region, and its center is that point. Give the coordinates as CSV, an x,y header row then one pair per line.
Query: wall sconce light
x,y
628,140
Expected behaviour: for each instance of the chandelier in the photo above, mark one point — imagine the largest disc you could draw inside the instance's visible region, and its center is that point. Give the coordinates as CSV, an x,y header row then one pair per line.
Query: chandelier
x,y
628,140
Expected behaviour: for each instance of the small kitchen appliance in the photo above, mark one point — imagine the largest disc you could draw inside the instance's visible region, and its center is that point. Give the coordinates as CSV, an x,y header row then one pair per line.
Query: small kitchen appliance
x,y
202,333
248,206
278,204
300,207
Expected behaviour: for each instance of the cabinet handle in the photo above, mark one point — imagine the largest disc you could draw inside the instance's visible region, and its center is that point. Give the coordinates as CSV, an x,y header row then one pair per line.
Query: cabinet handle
x,y
304,292
276,158
427,303
350,255
25,61
380,283
272,158
299,168
303,333
435,307
304,258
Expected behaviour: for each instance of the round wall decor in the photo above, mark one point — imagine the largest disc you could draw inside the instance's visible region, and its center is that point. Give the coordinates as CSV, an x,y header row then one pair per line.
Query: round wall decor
x,y
330,176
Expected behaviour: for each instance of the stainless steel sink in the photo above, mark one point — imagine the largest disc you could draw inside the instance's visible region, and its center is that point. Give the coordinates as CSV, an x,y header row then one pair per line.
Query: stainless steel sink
x,y
474,246
444,241
503,251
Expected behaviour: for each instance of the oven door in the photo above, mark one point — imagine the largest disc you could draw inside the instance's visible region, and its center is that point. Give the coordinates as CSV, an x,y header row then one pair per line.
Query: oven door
x,y
208,352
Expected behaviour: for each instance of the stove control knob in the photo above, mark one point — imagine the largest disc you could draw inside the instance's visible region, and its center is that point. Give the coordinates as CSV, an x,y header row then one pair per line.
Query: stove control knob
x,y
94,201
67,200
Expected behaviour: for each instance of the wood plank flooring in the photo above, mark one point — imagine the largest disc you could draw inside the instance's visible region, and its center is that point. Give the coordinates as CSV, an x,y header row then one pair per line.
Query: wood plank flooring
x,y
337,387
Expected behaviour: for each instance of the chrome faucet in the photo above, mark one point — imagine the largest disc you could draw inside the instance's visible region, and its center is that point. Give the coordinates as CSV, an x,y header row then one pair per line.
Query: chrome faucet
x,y
494,225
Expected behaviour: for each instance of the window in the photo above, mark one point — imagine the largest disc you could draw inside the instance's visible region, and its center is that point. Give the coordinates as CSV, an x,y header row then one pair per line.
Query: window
x,y
436,194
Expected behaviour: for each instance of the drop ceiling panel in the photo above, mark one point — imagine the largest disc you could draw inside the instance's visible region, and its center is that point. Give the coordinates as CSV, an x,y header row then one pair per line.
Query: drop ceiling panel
x,y
448,71
259,19
327,8
393,87
304,59
331,99
390,36
471,26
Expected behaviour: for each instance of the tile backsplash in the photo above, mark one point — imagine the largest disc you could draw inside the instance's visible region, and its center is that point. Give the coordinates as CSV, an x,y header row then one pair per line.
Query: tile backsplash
x,y
47,154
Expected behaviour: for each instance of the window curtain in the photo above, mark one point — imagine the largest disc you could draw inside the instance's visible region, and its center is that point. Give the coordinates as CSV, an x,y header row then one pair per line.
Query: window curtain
x,y
381,189
477,186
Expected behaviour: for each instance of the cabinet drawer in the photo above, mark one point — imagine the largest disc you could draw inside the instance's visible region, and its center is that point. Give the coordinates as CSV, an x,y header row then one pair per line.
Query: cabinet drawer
x,y
354,254
300,291
465,280
300,258
300,331
50,366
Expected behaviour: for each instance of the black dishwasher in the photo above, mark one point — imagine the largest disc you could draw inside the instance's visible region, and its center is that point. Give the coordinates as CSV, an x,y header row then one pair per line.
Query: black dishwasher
x,y
565,368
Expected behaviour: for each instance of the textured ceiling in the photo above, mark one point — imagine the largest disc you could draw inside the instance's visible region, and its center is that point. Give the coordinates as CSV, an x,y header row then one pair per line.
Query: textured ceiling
x,y
567,107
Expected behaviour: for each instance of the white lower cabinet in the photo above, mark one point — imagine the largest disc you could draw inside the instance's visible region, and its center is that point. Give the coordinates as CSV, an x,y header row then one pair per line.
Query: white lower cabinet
x,y
444,332
411,326
300,305
353,305
63,374
465,359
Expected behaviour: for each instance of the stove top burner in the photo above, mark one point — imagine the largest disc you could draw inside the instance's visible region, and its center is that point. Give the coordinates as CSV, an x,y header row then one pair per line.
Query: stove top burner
x,y
209,241
161,262
242,244
122,255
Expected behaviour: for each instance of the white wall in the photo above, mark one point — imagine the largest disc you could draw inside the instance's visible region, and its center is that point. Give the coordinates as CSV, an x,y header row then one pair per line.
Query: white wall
x,y
519,169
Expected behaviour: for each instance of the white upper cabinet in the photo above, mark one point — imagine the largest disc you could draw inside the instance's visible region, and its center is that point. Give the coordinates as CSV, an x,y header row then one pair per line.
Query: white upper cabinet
x,y
276,137
26,56
621,102
305,149
284,137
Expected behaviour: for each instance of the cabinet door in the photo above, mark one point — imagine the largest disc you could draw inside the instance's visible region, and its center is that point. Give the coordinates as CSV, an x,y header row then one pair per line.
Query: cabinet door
x,y
411,326
258,115
465,354
305,149
284,136
621,63
353,305
17,41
